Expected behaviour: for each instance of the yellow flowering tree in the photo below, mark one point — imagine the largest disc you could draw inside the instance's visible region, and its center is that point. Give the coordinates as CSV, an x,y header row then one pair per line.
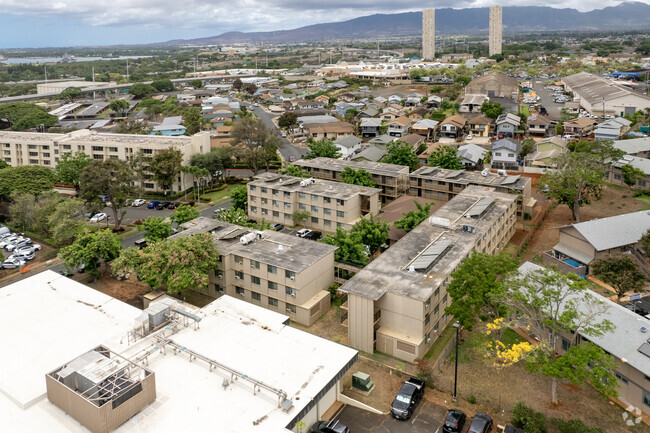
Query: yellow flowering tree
x,y
500,354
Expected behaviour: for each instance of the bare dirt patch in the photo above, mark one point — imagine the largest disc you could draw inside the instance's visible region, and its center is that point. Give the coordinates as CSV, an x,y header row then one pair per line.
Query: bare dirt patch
x,y
129,291
328,326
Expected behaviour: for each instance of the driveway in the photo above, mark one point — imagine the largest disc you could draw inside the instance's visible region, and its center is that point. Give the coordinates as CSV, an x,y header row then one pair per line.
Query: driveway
x,y
286,149
428,418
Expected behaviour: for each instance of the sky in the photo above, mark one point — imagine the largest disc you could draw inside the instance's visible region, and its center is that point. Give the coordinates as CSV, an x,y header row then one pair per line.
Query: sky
x,y
60,23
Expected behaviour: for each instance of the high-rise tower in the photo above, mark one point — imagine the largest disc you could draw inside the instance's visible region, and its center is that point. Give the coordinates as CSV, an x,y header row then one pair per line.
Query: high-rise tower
x,y
496,30
428,34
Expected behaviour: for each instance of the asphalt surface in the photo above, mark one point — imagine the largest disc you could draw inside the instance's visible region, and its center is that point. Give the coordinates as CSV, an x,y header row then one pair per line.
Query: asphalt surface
x,y
546,99
286,149
428,418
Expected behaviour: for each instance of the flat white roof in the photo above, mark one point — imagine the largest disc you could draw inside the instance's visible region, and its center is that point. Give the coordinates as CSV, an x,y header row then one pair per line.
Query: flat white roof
x,y
190,396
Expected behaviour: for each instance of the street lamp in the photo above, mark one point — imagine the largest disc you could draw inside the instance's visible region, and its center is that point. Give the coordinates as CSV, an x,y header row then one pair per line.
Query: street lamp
x,y
457,326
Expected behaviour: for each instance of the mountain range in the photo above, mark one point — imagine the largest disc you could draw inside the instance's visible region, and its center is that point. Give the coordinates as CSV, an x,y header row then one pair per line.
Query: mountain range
x,y
625,16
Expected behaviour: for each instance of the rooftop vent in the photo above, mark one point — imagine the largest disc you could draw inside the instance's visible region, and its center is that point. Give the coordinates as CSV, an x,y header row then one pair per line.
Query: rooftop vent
x,y
411,269
485,172
440,222
280,248
502,172
644,329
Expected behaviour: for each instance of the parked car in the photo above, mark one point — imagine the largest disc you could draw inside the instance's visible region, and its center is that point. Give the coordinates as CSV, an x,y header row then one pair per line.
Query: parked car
x,y
138,202
332,426
22,255
140,243
454,421
152,204
163,205
468,137
277,227
407,398
12,263
292,158
18,245
481,423
313,235
98,217
302,233
217,211
29,248
9,239
90,214
173,205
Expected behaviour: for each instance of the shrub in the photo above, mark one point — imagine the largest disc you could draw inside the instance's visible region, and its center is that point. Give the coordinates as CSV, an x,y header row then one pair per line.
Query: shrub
x,y
574,426
527,419
471,399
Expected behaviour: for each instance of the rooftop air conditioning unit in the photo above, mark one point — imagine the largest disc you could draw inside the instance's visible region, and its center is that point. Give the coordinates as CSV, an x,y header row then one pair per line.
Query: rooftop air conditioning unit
x,y
469,228
502,172
293,277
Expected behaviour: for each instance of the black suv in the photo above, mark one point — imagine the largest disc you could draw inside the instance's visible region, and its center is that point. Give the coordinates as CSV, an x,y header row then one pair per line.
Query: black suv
x,y
313,235
454,421
481,423
407,398
332,426
162,205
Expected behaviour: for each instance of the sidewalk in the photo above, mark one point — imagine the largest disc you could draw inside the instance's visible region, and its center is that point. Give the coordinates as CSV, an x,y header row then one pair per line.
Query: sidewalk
x,y
34,268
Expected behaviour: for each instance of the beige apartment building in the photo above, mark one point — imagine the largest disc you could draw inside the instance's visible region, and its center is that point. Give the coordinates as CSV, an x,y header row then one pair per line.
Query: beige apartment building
x,y
284,273
391,178
31,148
441,184
396,304
429,34
496,30
273,198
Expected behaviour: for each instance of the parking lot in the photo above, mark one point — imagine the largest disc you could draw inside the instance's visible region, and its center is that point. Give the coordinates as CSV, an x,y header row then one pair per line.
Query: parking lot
x,y
428,418
546,100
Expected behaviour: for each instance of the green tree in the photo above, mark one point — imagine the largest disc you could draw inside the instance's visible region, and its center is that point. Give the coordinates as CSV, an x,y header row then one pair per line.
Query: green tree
x,y
351,114
350,250
288,120
22,211
192,121
20,116
119,106
554,304
164,85
257,146
373,233
299,216
239,196
357,177
492,109
184,213
645,243
165,167
46,204
215,162
527,147
631,174
400,153
128,126
67,221
413,218
476,286
576,182
70,166
463,80
417,73
157,229
621,272
70,94
113,178
197,84
445,157
91,249
177,265
26,179
322,148
237,84
249,88
233,216
294,170
141,90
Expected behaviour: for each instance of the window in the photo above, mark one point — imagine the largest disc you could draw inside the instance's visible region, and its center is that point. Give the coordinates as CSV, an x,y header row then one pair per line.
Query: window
x,y
327,211
254,209
32,146
46,155
291,308
275,192
340,213
435,327
291,292
275,203
314,208
566,345
147,151
33,153
149,185
427,337
427,304
7,152
511,155
314,197
98,156
641,183
255,280
67,147
623,379
327,200
327,223
256,296
240,291
238,260
273,286
287,205
271,269
437,292
7,159
112,149
218,288
444,300
265,211
339,225
273,302
287,216
302,195
427,319
436,309
100,149
287,194
340,202
646,398
302,206
264,200
263,189
239,275
253,187
497,153
33,161
314,220
290,274
218,274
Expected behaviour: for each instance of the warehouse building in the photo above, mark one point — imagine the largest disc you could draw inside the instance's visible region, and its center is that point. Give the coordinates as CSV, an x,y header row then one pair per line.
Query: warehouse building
x,y
601,96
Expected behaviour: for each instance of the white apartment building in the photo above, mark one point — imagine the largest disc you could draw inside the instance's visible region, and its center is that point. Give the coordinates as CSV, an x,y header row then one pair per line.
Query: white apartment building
x,y
31,148
496,30
429,34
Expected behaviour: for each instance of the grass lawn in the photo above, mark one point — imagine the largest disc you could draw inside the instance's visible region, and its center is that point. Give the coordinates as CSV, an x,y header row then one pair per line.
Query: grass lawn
x,y
524,110
219,196
645,200
437,347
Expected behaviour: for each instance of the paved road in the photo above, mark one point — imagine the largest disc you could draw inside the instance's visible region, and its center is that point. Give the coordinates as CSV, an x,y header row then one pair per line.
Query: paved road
x,y
546,99
287,150
428,418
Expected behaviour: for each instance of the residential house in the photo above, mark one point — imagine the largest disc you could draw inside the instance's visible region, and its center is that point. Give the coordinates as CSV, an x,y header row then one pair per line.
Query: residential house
x,y
507,124
381,141
581,127
413,100
322,99
399,127
370,127
346,97
453,127
599,238
330,130
433,102
331,205
170,126
370,153
538,124
395,98
391,112
494,86
413,140
342,108
368,112
348,145
223,131
425,127
418,114
472,103
380,100
423,158
616,173
480,126
612,129
304,104
636,146
505,154
546,151
471,156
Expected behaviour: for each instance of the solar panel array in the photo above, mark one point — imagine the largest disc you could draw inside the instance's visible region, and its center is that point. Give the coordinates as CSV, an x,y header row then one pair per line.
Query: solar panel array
x,y
431,255
480,207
